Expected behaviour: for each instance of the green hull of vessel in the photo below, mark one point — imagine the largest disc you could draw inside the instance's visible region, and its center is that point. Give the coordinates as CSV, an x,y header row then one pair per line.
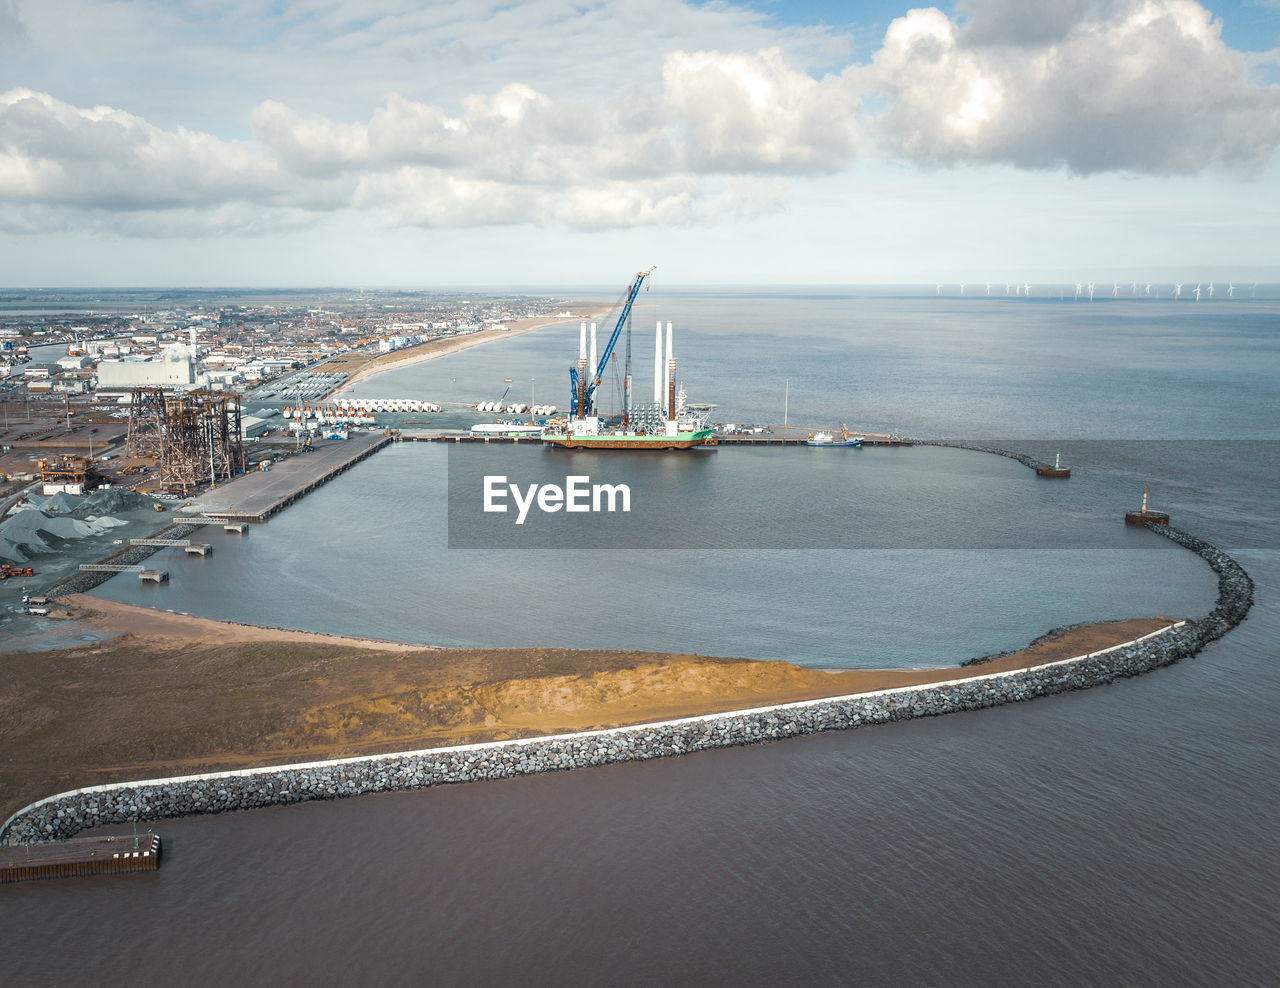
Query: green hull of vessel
x,y
681,440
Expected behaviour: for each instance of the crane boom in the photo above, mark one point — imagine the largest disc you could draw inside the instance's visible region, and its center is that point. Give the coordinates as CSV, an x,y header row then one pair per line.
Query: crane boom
x,y
588,393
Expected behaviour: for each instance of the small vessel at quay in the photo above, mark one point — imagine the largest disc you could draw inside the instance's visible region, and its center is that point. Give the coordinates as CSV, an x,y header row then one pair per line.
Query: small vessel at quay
x,y
829,439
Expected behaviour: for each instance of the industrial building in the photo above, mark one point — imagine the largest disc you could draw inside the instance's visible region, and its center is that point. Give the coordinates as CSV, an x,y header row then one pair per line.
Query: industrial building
x,y
176,368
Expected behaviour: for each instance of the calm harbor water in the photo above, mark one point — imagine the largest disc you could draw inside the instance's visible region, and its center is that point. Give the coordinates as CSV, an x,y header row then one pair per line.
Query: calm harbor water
x,y
1121,834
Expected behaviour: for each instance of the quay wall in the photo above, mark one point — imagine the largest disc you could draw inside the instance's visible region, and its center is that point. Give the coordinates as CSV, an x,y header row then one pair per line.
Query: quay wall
x,y
60,816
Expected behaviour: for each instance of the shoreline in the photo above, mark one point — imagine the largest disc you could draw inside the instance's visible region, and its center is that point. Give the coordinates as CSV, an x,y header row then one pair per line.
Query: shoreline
x,y
477,698
443,348
144,623
201,695
65,814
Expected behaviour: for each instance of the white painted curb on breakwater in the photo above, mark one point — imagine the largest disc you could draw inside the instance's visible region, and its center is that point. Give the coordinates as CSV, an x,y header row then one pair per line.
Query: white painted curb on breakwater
x,y
516,743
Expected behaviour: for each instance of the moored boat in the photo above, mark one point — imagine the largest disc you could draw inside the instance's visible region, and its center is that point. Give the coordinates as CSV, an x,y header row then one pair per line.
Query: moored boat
x,y
829,439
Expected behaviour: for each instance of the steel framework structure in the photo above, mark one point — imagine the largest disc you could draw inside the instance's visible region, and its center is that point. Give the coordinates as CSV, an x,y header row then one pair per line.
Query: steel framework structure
x,y
195,435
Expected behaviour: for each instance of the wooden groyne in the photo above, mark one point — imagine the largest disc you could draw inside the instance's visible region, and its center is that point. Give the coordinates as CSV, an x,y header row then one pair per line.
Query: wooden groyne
x,y
80,856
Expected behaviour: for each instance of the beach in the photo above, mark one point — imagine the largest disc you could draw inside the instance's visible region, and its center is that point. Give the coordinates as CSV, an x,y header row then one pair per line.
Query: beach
x,y
443,347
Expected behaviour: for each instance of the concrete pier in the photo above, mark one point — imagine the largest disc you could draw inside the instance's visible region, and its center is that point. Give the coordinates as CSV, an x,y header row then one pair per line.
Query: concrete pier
x,y
255,497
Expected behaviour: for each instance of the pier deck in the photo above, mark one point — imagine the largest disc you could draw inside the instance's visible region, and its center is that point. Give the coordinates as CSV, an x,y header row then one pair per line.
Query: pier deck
x,y
256,496
80,856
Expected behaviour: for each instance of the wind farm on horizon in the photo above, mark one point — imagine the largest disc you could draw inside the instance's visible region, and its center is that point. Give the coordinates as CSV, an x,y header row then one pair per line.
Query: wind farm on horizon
x,y
1090,290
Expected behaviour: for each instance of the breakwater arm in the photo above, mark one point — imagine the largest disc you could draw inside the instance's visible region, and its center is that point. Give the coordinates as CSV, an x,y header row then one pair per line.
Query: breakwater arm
x,y
61,816
1023,458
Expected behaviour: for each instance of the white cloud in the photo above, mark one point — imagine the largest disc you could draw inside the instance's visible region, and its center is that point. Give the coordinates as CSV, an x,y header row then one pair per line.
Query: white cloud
x,y
695,135
1148,88
751,112
102,157
340,57
730,113
1025,21
518,156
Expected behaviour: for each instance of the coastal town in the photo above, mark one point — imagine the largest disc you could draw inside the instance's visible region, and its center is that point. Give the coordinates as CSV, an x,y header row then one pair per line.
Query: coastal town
x,y
71,362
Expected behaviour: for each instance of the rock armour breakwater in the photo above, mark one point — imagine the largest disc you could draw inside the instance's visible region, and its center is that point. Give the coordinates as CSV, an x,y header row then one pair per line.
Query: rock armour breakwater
x,y
1023,458
61,816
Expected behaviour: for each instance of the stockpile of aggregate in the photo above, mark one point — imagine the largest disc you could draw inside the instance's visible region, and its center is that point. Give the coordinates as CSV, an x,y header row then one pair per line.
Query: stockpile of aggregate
x,y
41,526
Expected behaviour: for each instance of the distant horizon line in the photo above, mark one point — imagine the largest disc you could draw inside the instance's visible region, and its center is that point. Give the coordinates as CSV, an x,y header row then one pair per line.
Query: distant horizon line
x,y
975,288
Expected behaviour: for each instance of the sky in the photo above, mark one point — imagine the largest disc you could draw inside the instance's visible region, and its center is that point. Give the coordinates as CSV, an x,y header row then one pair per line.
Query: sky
x,y
362,143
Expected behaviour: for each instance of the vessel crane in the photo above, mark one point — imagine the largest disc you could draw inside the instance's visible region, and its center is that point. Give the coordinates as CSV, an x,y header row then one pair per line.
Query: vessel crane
x,y
588,387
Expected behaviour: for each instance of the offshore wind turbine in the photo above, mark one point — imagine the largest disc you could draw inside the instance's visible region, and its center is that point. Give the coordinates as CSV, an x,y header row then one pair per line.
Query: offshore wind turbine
x,y
1177,290
1231,290
1197,293
1115,290
1211,289
1006,288
1148,288
962,288
988,288
1026,289
1079,289
1091,291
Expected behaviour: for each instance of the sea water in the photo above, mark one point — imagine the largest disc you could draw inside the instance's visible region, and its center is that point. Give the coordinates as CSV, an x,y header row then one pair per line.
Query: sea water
x,y
1122,834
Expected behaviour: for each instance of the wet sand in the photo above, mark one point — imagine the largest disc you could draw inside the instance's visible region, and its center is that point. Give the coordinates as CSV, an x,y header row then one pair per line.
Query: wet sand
x,y
146,625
